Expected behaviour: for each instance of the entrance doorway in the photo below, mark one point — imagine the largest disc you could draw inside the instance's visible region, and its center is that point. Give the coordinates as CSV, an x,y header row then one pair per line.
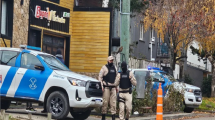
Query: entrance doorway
x,y
51,44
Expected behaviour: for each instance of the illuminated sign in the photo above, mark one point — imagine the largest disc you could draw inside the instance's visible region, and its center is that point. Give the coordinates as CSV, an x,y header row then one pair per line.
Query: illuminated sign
x,y
50,15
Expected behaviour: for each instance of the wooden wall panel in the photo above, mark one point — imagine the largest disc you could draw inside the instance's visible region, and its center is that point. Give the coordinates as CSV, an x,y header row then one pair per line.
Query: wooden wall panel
x,y
6,41
90,41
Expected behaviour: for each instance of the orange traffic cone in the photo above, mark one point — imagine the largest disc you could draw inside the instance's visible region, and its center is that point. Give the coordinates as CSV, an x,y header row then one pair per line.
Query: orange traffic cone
x,y
159,115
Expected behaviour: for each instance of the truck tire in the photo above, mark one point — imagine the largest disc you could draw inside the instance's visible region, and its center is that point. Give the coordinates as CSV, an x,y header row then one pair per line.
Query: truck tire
x,y
188,110
80,115
58,104
5,104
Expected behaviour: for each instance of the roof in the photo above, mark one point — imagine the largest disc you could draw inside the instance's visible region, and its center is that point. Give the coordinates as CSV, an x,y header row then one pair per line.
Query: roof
x,y
11,49
19,50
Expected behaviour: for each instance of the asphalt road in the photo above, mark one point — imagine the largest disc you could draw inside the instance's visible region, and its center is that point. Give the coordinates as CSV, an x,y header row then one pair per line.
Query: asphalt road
x,y
203,118
22,114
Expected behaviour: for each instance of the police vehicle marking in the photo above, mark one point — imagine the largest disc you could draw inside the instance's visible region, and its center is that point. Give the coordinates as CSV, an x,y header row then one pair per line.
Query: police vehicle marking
x,y
33,85
8,80
56,76
15,83
0,78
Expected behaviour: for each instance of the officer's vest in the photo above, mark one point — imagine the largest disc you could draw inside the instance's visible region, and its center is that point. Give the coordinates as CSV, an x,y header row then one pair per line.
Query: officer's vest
x,y
125,82
111,76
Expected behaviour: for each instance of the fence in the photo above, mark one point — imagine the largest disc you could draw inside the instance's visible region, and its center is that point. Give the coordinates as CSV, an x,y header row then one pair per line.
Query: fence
x,y
138,64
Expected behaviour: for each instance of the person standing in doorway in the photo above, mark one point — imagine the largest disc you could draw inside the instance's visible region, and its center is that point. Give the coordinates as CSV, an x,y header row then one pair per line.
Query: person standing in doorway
x,y
125,80
59,55
107,78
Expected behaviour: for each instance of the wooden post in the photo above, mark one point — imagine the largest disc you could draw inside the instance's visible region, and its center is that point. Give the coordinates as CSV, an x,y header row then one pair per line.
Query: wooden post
x,y
49,116
6,117
30,116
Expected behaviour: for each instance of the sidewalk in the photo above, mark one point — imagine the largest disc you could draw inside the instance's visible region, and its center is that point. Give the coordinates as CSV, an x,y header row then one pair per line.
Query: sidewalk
x,y
166,116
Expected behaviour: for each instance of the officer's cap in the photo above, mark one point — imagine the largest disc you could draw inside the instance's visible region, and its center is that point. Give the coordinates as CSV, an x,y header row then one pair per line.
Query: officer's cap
x,y
110,58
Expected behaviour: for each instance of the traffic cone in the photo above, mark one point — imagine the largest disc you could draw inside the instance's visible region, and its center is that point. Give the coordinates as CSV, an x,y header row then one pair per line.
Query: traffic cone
x,y
159,115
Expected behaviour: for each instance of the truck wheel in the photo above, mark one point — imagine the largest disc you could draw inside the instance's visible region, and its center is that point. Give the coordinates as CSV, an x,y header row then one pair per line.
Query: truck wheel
x,y
188,110
5,104
80,115
58,104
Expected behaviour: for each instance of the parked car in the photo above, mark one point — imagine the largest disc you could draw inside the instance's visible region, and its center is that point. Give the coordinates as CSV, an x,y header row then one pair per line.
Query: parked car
x,y
32,75
192,94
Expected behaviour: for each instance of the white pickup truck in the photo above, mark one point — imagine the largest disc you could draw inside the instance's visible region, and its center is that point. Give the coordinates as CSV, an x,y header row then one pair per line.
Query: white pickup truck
x,y
33,76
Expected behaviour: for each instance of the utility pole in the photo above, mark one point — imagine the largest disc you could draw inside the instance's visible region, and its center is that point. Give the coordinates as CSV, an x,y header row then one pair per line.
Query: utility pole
x,y
124,29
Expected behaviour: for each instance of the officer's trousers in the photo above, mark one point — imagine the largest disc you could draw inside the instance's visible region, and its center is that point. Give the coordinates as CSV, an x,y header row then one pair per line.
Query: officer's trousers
x,y
109,97
127,103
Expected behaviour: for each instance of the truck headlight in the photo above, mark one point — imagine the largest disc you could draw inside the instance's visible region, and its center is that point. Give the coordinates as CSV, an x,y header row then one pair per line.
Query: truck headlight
x,y
76,82
189,90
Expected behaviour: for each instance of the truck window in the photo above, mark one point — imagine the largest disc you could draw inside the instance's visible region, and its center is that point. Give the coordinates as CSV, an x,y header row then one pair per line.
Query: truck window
x,y
155,76
9,58
29,61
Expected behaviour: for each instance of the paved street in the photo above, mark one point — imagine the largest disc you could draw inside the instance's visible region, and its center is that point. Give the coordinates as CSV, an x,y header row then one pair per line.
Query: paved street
x,y
22,114
203,118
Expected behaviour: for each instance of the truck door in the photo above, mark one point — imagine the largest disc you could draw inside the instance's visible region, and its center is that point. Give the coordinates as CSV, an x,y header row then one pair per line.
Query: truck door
x,y
31,81
8,71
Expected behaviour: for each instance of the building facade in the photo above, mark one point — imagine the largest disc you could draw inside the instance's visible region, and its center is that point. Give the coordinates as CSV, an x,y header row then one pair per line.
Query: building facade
x,y
160,53
81,33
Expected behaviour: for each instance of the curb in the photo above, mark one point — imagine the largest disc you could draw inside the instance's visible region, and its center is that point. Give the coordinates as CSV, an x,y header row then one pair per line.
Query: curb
x,y
208,111
134,116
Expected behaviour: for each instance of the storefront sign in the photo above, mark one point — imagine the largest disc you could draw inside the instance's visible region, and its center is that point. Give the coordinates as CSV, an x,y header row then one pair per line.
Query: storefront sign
x,y
49,15
65,14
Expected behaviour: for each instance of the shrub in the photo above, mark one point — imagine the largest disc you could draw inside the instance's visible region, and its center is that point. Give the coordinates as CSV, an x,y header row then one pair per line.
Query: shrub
x,y
172,102
206,86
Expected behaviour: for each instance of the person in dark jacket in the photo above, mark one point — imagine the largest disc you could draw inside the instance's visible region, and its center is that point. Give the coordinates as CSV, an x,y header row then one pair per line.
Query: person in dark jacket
x,y
59,56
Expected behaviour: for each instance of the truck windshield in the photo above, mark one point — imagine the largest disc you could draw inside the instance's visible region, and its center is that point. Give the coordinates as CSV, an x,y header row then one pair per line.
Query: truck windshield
x,y
53,63
168,76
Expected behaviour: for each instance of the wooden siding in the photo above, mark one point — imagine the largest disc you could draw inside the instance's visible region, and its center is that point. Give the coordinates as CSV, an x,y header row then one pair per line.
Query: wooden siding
x,y
6,41
90,41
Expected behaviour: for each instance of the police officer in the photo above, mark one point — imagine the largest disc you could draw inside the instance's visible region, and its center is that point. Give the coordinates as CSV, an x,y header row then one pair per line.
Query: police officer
x,y
107,78
125,80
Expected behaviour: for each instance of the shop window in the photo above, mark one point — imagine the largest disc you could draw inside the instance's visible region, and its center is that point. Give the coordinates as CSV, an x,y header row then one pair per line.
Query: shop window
x,y
34,38
51,44
7,18
55,1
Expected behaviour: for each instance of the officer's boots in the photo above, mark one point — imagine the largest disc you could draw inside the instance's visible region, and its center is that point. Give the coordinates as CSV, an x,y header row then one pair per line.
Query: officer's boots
x,y
103,116
113,117
126,119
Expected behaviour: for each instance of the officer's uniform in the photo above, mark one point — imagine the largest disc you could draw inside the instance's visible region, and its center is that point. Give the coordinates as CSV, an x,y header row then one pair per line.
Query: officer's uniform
x,y
125,80
107,77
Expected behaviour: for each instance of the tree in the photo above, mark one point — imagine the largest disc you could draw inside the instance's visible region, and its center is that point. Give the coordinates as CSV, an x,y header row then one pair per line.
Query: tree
x,y
177,22
206,38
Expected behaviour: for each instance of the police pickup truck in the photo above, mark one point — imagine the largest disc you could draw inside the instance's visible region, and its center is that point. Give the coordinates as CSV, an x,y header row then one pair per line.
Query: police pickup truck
x,y
192,94
27,74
